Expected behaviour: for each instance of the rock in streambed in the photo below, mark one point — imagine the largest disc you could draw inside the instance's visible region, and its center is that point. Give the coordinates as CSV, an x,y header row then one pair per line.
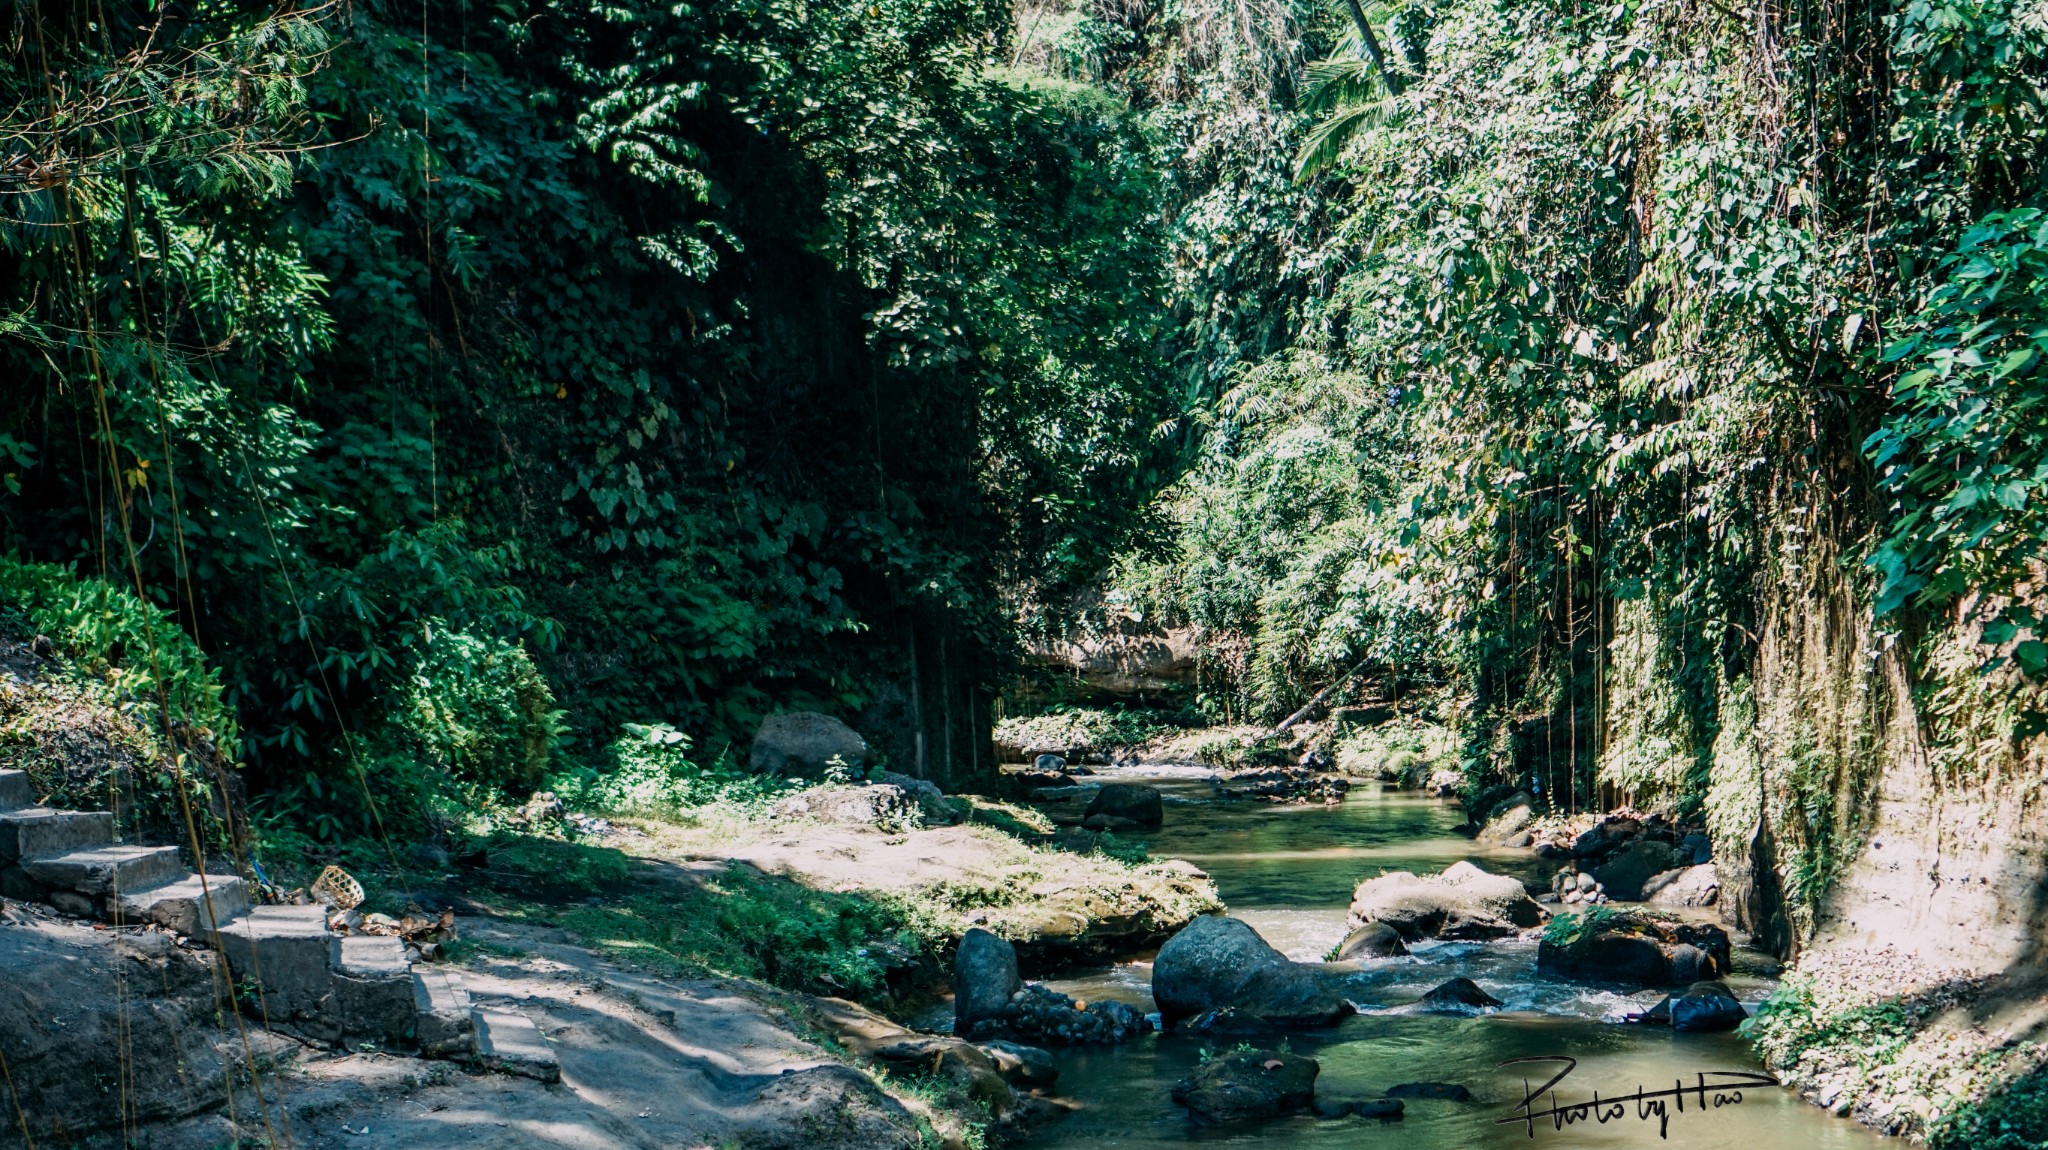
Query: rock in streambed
x,y
1218,963
1249,1084
1464,902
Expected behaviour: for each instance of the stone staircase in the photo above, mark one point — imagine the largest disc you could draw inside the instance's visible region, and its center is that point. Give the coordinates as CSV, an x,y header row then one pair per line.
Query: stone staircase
x,y
342,990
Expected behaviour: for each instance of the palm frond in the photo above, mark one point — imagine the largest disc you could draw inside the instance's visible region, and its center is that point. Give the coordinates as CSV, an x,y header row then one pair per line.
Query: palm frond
x,y
1339,81
1326,141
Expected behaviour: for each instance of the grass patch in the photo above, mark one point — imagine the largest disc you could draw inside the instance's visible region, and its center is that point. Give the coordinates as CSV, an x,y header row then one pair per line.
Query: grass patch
x,y
746,925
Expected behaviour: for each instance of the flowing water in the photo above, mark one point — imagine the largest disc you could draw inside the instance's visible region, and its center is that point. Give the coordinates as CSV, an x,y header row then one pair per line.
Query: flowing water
x,y
1289,871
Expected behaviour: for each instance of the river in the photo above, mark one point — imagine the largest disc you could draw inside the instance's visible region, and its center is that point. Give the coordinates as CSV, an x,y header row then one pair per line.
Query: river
x,y
1289,871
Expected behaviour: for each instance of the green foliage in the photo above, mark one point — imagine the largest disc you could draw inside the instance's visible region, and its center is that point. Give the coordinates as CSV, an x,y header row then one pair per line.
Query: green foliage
x,y
104,632
652,774
131,718
1965,451
1400,748
2013,1117
1566,930
475,707
700,355
1080,728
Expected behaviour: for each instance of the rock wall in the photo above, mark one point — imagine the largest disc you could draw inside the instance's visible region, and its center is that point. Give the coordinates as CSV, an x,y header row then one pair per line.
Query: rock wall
x,y
1124,657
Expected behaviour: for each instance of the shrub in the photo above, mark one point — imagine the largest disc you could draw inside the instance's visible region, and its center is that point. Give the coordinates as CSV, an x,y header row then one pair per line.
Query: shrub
x,y
131,715
652,774
476,707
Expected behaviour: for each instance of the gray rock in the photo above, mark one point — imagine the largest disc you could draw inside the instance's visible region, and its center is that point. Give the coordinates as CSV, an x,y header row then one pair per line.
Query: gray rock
x,y
1221,964
1384,1109
984,978
1606,835
1707,1006
953,1060
1699,847
1028,1066
1632,948
1512,820
1448,1091
1686,886
1134,801
881,805
1372,940
1249,1084
1463,902
930,799
1626,870
804,744
1049,762
1459,996
84,1010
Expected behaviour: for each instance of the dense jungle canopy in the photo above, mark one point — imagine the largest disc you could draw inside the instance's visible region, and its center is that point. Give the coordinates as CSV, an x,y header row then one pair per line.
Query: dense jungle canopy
x,y
466,380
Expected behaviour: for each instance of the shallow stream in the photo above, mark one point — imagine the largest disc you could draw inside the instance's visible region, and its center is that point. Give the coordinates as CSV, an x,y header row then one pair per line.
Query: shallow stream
x,y
1289,871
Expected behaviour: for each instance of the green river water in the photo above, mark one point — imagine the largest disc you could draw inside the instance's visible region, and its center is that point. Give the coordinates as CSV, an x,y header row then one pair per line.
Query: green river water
x,y
1289,871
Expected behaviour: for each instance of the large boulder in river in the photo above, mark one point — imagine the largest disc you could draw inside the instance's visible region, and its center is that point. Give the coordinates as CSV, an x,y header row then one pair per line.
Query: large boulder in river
x,y
1625,871
1249,1084
1509,819
1684,887
1687,886
1463,902
1134,802
1633,948
1373,940
1707,1006
1221,964
984,978
805,744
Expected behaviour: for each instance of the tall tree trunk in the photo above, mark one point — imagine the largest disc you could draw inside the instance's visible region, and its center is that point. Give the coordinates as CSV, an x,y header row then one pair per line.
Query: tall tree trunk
x,y
1372,48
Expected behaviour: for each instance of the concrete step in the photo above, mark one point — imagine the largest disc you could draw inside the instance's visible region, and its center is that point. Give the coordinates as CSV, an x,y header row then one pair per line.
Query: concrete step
x,y
373,992
16,790
98,871
189,905
441,1005
284,952
43,831
512,1043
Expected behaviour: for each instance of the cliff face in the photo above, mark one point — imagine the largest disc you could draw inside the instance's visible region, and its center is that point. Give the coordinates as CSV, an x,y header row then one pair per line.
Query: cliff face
x,y
1956,873
1886,827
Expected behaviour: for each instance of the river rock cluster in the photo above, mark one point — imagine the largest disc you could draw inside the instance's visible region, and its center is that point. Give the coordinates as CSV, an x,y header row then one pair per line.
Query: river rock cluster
x,y
1301,783
1040,1014
1634,948
991,1000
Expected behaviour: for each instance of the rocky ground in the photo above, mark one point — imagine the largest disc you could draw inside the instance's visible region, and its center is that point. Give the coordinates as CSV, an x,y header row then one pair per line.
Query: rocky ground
x,y
1052,894
645,1061
649,1055
1944,1054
